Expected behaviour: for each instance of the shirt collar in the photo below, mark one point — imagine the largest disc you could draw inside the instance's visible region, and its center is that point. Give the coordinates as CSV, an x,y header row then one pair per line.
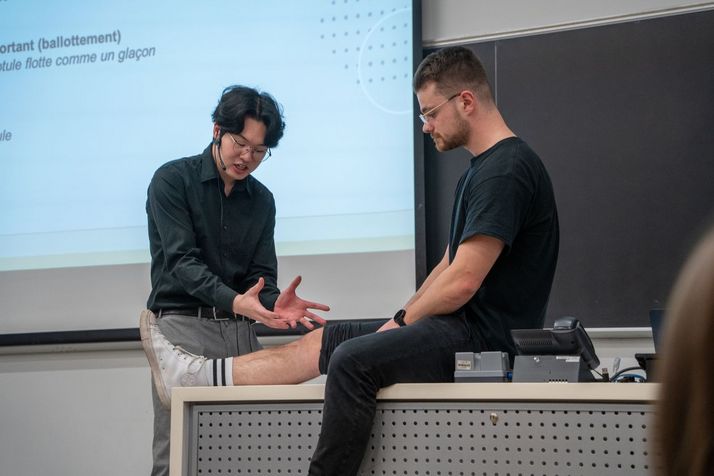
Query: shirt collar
x,y
487,152
209,171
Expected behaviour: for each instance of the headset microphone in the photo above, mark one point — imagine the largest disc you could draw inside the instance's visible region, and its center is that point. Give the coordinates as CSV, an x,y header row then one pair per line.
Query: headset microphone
x,y
223,165
217,143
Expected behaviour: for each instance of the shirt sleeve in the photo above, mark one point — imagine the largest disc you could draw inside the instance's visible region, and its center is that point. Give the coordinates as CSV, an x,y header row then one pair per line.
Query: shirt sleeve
x,y
496,207
265,263
170,210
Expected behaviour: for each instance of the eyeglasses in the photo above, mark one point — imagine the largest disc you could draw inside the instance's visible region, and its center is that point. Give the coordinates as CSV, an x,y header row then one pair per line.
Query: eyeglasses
x,y
257,152
428,115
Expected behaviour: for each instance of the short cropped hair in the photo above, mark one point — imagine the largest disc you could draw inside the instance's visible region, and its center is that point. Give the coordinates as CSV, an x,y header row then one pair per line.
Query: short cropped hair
x,y
238,102
453,69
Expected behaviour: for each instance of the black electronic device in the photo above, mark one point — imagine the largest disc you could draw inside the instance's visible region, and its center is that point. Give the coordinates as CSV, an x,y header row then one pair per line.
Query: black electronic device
x,y
656,322
647,360
399,317
564,353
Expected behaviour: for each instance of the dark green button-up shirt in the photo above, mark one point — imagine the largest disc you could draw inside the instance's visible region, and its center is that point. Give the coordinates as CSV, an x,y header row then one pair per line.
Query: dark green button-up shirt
x,y
206,247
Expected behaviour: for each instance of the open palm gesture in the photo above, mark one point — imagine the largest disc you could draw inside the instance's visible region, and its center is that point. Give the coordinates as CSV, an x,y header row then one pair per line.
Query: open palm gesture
x,y
293,309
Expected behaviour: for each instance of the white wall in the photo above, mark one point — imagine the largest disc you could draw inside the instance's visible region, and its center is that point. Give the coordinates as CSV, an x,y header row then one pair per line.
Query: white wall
x,y
86,413
463,21
113,296
76,413
77,410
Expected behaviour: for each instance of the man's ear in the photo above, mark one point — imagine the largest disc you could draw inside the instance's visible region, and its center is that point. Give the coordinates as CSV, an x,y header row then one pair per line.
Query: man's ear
x,y
469,102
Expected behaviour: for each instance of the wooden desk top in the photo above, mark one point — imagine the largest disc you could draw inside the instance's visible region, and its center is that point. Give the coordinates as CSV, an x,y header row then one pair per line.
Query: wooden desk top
x,y
521,392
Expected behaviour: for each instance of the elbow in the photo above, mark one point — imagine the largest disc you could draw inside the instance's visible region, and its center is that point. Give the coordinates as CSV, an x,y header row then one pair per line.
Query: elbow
x,y
458,297
466,289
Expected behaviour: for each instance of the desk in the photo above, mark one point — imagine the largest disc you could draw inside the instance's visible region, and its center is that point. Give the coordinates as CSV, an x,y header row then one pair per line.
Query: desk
x,y
422,429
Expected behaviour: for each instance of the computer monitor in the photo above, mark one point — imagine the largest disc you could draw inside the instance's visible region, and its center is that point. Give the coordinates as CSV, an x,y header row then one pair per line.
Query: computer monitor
x,y
656,320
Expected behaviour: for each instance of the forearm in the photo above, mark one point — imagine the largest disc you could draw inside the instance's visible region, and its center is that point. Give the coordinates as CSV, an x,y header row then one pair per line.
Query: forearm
x,y
199,281
433,275
459,281
447,293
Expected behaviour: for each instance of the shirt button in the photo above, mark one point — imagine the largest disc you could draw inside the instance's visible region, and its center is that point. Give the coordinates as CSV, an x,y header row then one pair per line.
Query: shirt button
x,y
225,227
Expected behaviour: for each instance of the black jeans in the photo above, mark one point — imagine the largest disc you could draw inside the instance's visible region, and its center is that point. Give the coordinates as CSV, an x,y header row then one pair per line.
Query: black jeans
x,y
359,362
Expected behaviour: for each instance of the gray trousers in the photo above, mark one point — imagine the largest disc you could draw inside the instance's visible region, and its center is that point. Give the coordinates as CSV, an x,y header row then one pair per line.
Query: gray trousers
x,y
213,339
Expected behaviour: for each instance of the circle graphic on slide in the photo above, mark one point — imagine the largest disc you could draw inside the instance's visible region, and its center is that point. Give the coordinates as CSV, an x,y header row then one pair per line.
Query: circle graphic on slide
x,y
384,65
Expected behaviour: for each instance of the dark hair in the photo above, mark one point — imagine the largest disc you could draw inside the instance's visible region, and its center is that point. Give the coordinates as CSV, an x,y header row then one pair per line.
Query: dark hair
x,y
239,102
453,69
684,420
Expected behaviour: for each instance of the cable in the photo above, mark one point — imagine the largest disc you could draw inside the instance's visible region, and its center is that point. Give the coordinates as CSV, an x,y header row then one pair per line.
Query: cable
x,y
619,373
633,377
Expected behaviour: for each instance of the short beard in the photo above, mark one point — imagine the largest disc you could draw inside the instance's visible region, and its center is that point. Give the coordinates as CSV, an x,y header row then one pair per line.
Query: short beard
x,y
458,139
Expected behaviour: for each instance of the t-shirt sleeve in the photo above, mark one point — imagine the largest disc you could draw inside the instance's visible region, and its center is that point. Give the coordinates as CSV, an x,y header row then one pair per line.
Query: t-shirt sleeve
x,y
496,207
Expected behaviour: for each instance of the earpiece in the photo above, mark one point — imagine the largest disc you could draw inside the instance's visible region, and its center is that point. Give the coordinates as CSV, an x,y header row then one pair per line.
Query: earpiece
x,y
217,143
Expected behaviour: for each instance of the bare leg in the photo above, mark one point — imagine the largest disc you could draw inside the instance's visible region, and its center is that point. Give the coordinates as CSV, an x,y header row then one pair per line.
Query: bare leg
x,y
295,362
172,366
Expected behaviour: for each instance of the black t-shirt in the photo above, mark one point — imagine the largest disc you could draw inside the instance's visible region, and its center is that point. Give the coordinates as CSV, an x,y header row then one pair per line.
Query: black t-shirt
x,y
507,194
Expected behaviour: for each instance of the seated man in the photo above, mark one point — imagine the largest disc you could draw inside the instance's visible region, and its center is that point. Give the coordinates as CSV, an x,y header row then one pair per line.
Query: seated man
x,y
495,276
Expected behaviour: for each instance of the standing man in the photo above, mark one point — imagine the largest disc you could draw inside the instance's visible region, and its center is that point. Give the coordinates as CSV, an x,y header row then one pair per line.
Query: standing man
x,y
495,276
213,263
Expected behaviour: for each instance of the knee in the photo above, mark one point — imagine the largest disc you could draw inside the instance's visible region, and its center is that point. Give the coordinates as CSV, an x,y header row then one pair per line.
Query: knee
x,y
349,371
312,341
305,351
347,358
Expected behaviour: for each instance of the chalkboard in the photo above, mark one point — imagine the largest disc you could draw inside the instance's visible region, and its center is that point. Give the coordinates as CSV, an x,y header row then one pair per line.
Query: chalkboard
x,y
623,117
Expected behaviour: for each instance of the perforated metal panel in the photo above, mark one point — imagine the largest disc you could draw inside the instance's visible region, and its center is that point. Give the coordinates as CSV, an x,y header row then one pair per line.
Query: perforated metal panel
x,y
426,438
252,439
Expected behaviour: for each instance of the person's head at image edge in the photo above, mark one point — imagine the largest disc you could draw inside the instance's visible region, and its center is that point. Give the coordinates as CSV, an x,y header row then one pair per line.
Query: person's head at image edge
x,y
684,418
